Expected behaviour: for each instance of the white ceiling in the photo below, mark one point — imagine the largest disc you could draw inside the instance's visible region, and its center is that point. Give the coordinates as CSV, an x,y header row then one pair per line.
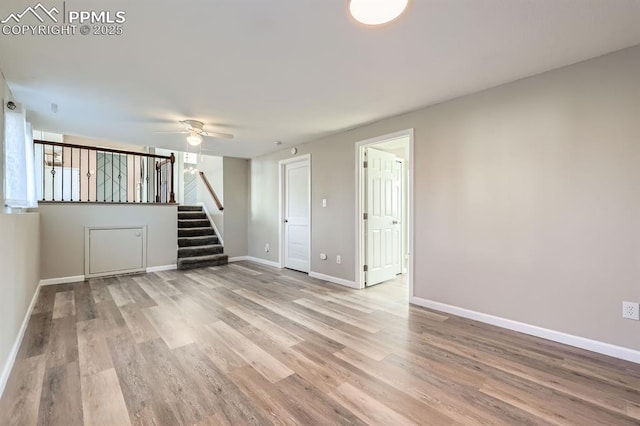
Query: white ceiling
x,y
290,70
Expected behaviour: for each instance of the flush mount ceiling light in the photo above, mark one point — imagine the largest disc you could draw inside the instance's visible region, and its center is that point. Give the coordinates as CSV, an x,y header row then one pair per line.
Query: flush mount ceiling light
x,y
194,139
376,12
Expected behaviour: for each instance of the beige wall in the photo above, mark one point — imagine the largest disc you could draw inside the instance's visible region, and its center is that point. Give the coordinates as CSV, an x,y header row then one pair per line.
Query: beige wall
x,y
236,206
62,240
19,263
526,199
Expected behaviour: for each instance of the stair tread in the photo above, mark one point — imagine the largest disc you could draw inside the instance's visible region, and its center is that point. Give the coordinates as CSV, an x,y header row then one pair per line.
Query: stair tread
x,y
193,223
202,250
193,232
197,241
204,263
191,215
203,247
196,259
195,238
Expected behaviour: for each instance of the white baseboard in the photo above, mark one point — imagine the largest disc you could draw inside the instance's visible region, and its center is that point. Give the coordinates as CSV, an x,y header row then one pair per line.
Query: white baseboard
x,y
238,259
162,268
262,261
334,280
62,280
6,371
545,333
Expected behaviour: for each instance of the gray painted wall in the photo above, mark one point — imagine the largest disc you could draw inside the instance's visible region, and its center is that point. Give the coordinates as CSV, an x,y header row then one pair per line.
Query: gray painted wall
x,y
333,178
236,205
526,199
62,236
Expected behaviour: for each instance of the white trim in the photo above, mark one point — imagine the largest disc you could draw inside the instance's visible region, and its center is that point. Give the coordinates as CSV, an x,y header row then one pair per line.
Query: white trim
x,y
213,224
335,280
404,217
62,280
238,259
359,226
161,268
281,164
545,333
8,366
262,261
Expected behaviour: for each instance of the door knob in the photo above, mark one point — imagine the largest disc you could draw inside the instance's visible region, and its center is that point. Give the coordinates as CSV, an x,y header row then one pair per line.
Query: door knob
x,y
286,221
395,222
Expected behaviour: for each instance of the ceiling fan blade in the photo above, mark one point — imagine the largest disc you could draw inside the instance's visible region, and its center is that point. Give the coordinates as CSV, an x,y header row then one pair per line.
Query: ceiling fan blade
x,y
182,132
218,135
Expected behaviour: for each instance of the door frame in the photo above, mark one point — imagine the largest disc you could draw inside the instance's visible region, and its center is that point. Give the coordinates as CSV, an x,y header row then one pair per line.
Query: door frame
x,y
306,158
403,209
359,198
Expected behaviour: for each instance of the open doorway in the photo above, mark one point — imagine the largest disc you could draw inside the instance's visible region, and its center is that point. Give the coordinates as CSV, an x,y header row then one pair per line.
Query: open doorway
x,y
384,220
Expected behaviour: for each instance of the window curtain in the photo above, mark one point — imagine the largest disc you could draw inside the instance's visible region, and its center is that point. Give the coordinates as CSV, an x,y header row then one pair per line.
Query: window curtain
x,y
19,190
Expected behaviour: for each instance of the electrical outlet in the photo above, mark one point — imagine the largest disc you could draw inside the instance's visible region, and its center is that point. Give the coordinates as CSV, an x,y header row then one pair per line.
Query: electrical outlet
x,y
338,259
631,310
266,248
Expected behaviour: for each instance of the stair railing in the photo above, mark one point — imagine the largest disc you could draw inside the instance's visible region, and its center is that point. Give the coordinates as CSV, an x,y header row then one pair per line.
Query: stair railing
x,y
211,191
86,174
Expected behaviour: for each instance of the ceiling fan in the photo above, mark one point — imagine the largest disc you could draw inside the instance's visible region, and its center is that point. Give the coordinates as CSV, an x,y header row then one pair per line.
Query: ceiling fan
x,y
194,130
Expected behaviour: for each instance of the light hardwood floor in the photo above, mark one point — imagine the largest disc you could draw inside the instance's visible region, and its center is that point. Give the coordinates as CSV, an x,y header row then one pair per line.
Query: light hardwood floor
x,y
249,344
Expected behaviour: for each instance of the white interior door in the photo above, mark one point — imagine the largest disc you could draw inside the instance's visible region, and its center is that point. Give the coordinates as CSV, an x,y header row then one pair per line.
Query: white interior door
x,y
297,216
383,232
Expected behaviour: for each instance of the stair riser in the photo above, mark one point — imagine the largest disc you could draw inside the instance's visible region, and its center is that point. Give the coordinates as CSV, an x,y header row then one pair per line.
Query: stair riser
x,y
192,215
197,223
188,242
195,232
200,262
189,208
186,252
206,264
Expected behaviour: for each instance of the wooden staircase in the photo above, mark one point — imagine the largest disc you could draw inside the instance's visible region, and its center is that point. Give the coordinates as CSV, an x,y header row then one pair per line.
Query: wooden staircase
x,y
198,244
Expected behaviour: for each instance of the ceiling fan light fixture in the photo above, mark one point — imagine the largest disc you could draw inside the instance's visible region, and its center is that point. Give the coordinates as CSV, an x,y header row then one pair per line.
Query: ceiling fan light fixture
x,y
376,12
194,139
